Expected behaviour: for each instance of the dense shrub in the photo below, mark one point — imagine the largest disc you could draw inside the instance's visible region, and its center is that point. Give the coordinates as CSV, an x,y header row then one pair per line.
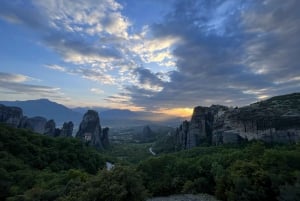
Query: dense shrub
x,y
252,172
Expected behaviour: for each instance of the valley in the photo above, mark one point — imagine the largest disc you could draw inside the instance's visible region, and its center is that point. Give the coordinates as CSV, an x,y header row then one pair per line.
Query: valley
x,y
154,161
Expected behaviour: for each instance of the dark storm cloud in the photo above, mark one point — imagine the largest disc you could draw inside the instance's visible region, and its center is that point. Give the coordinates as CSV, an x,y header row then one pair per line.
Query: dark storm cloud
x,y
231,52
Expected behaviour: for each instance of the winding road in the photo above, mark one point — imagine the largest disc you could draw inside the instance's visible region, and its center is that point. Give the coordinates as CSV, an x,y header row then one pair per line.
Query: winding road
x,y
152,152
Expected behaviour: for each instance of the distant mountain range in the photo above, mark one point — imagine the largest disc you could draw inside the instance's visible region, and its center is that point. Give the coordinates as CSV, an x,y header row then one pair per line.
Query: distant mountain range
x,y
108,117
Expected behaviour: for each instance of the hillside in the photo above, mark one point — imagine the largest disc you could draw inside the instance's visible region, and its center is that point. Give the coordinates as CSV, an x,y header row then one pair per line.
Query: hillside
x,y
252,171
37,167
285,105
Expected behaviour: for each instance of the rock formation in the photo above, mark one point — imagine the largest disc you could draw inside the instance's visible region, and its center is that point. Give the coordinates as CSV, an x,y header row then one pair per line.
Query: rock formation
x,y
200,129
104,137
146,135
34,124
67,129
11,115
183,138
90,130
276,120
50,128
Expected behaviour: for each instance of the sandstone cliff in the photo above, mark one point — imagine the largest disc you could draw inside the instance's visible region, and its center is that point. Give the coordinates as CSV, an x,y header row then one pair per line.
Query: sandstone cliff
x,y
276,120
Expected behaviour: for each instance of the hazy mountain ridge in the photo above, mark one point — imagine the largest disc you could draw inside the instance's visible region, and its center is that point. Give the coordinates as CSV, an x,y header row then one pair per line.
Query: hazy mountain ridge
x,y
108,117
46,108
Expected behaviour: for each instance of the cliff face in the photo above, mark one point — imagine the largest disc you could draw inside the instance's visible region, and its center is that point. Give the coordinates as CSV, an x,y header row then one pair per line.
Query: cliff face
x,y
274,120
11,115
90,130
35,124
200,128
50,128
146,135
67,129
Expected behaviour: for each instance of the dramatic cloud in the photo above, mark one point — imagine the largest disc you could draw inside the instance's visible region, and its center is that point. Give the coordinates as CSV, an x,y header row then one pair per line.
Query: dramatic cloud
x,y
77,30
201,52
230,52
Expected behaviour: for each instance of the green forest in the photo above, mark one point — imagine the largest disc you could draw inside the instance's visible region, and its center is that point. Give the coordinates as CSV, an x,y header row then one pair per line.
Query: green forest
x,y
37,167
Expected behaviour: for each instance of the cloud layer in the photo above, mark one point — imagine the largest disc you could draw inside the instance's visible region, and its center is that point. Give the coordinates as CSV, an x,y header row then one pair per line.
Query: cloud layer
x,y
17,84
201,52
230,52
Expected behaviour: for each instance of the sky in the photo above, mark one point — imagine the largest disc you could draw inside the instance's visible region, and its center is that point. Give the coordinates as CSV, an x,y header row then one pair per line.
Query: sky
x,y
149,55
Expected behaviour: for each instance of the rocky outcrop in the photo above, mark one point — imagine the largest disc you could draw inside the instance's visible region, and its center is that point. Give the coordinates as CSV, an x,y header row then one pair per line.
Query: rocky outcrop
x,y
90,130
11,115
276,120
67,129
183,138
50,128
34,124
201,125
147,134
104,137
261,126
200,129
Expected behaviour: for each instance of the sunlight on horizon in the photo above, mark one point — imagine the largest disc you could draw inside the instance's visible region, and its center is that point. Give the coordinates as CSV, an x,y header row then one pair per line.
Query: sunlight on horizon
x,y
179,112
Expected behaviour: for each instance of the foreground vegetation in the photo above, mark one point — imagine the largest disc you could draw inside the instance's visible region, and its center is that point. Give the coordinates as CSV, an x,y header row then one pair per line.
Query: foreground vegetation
x,y
252,172
36,167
